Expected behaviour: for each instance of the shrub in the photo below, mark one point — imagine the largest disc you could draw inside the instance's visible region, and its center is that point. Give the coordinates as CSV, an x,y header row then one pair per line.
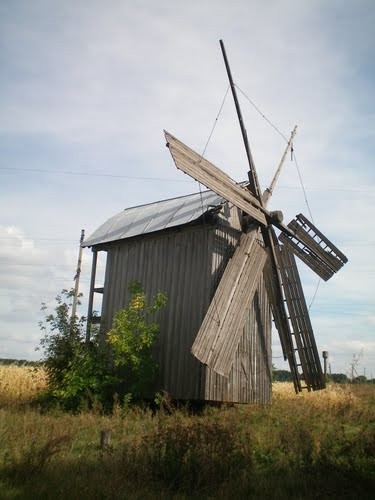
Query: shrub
x,y
132,338
82,375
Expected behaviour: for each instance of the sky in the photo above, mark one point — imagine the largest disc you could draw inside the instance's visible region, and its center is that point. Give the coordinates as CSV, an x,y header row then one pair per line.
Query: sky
x,y
86,89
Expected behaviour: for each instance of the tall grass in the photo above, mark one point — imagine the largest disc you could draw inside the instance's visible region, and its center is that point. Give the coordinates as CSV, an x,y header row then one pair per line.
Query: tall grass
x,y
301,446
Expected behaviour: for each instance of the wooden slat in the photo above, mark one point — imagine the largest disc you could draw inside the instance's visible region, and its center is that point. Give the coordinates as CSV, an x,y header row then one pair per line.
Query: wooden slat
x,y
300,320
212,177
220,332
280,316
311,260
223,295
329,244
308,240
313,248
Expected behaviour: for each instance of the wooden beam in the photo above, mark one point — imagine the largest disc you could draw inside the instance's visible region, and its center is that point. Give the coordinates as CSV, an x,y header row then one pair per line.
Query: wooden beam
x,y
299,317
221,329
269,191
215,179
313,248
91,295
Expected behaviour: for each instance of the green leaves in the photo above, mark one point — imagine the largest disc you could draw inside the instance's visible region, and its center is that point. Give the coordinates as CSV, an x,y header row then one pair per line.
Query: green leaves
x,y
132,337
80,374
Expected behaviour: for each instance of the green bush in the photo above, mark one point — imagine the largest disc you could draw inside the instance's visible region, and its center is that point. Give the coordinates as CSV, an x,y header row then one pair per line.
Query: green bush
x,y
131,340
83,375
78,374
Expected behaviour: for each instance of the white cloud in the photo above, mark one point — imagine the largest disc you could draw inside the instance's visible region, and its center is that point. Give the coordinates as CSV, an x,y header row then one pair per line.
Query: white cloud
x,y
89,87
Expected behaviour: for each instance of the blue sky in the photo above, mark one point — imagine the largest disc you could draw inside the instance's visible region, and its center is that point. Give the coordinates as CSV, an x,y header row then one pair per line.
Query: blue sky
x,y
87,87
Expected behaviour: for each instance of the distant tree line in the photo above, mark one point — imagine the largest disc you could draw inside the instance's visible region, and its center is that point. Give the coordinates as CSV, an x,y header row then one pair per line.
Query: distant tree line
x,y
19,362
338,378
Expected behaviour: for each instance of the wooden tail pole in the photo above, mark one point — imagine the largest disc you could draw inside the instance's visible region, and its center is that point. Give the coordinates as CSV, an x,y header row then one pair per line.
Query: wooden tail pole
x,y
254,184
77,276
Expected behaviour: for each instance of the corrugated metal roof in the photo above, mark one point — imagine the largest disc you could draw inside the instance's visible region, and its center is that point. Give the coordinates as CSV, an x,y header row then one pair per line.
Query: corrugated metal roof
x,y
154,217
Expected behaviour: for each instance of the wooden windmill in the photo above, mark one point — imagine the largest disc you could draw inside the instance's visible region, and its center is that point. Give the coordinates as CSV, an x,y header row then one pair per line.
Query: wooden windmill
x,y
260,251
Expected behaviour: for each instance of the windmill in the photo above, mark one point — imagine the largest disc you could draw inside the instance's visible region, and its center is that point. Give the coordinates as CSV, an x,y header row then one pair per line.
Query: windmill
x,y
260,251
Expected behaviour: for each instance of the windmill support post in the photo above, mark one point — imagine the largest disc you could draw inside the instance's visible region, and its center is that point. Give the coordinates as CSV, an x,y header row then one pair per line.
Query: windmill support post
x,y
91,295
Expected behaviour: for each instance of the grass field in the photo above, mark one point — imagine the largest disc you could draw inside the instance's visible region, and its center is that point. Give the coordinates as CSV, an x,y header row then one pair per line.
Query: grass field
x,y
317,445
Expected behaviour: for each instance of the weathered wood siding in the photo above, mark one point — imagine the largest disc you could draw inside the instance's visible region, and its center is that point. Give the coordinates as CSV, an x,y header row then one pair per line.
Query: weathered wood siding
x,y
250,379
177,263
186,265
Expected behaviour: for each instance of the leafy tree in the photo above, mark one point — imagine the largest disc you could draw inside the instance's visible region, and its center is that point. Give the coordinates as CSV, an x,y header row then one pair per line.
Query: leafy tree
x,y
338,378
77,373
81,374
281,375
62,335
132,337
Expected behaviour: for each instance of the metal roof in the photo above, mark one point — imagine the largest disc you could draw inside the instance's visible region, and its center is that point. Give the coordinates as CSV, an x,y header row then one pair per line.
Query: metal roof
x,y
154,217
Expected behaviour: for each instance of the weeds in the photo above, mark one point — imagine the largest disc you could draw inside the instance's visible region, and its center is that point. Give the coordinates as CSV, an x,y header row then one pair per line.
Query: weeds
x,y
302,446
194,454
34,458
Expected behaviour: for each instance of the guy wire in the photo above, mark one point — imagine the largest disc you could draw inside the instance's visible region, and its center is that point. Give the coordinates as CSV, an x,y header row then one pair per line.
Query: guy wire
x,y
298,171
200,187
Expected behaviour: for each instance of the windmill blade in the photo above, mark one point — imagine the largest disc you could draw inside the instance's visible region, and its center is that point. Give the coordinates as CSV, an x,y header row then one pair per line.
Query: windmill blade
x,y
221,330
313,248
302,333
212,177
279,312
291,317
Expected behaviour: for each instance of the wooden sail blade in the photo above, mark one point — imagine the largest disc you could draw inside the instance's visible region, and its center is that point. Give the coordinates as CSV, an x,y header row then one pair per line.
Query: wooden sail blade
x,y
302,332
280,314
221,330
313,248
212,177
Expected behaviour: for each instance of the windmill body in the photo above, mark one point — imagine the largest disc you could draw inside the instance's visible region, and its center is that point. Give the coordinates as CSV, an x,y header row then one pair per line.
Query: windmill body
x,y
281,275
226,274
183,247
284,287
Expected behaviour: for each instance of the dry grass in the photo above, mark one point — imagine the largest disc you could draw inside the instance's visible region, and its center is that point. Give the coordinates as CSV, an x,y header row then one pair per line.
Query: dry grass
x,y
312,445
335,396
20,384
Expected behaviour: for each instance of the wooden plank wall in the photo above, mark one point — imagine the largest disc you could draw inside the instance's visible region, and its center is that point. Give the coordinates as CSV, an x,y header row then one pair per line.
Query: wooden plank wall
x,y
187,265
179,264
250,380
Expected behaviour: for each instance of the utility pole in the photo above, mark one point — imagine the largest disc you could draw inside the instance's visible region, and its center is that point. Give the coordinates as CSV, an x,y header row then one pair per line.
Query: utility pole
x,y
354,364
77,276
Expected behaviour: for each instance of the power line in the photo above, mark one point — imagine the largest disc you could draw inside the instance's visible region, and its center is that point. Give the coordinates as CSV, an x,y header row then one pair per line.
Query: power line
x,y
92,174
7,263
315,188
41,265
36,239
159,179
63,241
